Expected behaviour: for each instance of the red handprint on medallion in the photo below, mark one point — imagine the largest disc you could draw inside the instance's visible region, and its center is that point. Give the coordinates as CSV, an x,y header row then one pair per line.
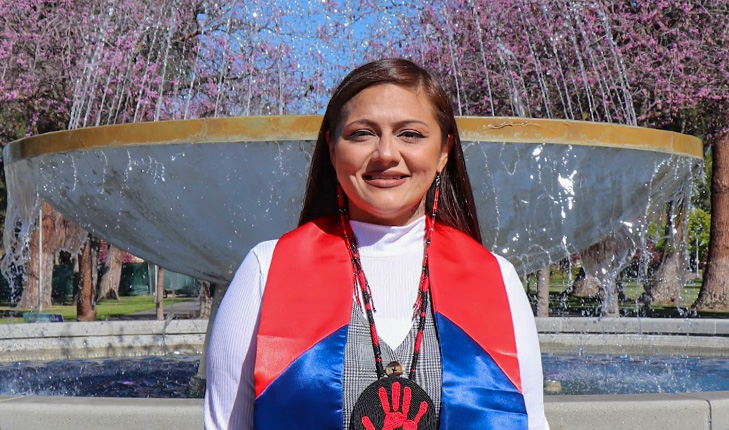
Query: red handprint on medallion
x,y
388,404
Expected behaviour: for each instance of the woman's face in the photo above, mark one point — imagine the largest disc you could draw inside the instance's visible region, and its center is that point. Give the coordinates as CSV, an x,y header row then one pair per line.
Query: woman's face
x,y
386,151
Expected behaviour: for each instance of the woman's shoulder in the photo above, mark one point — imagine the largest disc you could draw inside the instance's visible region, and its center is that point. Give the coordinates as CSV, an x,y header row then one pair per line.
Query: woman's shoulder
x,y
263,253
257,261
462,245
265,248
504,263
475,253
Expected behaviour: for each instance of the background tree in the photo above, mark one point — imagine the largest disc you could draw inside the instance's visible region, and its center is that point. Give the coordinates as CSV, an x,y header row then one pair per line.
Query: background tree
x,y
714,293
659,64
68,64
85,290
685,89
665,286
112,258
699,227
543,276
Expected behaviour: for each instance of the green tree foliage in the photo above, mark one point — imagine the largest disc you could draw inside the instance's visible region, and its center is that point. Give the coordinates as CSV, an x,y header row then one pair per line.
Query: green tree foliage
x,y
698,239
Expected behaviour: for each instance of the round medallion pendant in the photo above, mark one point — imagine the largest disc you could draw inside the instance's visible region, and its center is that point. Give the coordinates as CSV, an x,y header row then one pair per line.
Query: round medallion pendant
x,y
393,403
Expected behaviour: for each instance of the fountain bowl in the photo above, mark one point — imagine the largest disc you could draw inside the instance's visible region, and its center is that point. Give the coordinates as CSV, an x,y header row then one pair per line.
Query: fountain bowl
x,y
195,195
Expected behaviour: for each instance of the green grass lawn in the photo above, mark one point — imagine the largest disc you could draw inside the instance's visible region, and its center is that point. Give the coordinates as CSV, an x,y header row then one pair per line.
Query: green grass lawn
x,y
560,304
634,290
631,305
105,310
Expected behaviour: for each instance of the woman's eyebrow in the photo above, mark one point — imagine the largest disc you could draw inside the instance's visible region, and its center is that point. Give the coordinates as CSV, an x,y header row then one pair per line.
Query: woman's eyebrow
x,y
368,122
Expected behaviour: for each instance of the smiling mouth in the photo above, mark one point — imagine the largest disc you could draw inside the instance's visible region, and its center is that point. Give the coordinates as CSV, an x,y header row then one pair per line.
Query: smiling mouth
x,y
383,177
385,181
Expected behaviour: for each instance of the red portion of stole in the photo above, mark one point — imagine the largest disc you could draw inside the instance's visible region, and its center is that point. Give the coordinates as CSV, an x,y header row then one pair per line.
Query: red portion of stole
x,y
467,288
308,296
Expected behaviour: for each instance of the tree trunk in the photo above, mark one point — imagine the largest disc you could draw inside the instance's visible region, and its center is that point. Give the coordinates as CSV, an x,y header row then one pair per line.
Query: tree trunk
x,y
543,291
609,294
205,300
95,245
29,298
48,253
665,287
159,297
109,284
76,277
197,383
603,262
47,286
86,299
151,277
714,292
585,286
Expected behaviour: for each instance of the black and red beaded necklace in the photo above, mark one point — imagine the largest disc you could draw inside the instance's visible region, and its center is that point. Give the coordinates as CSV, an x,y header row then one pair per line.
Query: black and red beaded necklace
x,y
386,403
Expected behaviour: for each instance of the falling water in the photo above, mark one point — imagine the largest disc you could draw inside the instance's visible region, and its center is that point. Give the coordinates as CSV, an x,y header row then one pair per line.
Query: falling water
x,y
167,61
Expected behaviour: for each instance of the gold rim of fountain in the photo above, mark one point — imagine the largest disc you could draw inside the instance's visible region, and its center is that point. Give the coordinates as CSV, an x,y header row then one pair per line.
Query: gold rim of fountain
x,y
306,127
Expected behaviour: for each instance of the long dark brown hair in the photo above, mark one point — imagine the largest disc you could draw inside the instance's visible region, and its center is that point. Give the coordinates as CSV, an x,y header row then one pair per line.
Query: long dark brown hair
x,y
456,207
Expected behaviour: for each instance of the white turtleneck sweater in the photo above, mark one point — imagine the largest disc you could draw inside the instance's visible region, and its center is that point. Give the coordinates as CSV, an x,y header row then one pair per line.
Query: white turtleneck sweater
x,y
392,258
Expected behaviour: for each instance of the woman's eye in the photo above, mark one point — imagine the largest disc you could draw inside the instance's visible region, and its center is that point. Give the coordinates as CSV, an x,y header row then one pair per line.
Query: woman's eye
x,y
359,134
410,136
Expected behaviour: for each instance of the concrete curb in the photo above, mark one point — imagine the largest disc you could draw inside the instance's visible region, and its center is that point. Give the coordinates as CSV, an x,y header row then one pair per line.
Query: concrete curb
x,y
706,411
78,340
667,326
634,336
81,340
93,413
558,343
698,411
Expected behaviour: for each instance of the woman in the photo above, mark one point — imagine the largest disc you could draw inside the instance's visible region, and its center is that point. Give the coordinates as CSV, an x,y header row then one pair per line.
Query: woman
x,y
388,220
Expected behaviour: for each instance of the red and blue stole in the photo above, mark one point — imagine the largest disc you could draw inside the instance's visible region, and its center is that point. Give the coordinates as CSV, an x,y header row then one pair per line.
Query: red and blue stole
x,y
306,309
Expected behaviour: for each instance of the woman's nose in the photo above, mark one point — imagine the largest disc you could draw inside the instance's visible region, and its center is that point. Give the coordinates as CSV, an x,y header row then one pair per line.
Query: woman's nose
x,y
386,151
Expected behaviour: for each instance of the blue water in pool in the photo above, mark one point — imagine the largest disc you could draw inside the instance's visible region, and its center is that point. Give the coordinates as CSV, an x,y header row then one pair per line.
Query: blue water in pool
x,y
159,377
168,377
610,374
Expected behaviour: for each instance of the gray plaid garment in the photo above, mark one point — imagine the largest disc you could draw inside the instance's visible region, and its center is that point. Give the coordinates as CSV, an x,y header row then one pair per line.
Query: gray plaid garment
x,y
359,360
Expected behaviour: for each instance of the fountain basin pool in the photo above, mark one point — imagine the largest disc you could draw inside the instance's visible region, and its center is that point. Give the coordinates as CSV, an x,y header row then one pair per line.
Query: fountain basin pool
x,y
626,374
153,377
168,377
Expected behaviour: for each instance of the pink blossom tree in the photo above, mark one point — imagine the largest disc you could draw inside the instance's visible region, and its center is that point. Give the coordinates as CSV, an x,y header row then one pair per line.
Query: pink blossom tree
x,y
659,64
81,63
52,54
